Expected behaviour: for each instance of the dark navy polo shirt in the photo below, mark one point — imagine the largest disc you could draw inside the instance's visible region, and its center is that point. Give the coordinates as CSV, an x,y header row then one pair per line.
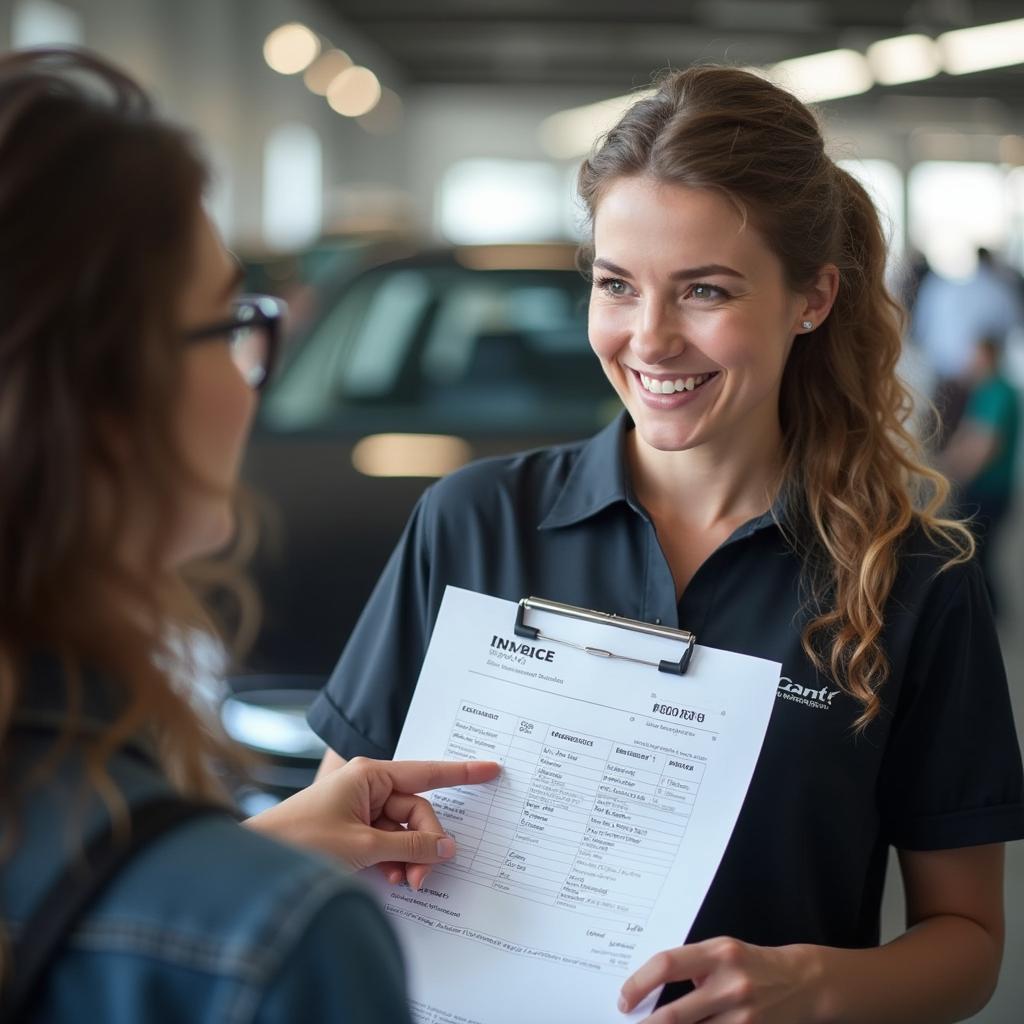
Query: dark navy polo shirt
x,y
940,768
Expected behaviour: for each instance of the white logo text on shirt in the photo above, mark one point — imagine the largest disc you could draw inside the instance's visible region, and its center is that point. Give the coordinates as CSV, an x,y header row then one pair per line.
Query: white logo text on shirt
x,y
819,699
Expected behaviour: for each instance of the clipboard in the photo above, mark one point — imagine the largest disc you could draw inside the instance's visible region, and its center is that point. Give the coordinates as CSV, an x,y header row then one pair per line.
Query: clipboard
x,y
684,636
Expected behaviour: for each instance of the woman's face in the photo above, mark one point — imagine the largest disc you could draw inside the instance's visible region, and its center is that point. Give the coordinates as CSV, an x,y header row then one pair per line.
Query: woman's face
x,y
216,405
690,314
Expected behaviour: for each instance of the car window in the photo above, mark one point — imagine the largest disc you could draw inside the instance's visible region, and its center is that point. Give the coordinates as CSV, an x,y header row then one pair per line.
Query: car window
x,y
445,347
381,342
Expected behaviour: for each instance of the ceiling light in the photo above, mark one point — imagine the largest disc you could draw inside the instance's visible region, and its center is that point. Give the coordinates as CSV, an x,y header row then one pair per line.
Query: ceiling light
x,y
354,92
291,48
904,59
982,47
573,132
824,76
325,69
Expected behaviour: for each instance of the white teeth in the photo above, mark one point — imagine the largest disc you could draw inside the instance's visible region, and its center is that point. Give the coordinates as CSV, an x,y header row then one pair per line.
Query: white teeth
x,y
668,387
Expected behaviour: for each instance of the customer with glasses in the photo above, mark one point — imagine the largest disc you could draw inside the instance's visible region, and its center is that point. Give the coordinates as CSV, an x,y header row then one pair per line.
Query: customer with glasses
x,y
253,334
128,367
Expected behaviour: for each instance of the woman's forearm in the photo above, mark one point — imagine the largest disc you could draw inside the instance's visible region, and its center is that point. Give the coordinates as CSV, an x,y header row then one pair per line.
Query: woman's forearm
x,y
940,971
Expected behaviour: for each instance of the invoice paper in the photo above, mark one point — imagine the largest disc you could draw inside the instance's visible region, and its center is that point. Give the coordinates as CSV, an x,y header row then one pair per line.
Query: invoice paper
x,y
595,847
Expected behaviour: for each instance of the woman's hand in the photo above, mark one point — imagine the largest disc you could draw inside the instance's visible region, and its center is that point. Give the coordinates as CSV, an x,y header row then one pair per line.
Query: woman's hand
x,y
736,983
366,812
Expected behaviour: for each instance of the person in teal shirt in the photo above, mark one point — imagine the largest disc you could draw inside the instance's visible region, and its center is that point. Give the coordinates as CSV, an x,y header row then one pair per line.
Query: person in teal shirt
x,y
982,455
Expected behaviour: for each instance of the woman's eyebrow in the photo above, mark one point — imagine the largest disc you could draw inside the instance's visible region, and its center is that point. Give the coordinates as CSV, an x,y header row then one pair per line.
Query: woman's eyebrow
x,y
689,274
708,270
612,268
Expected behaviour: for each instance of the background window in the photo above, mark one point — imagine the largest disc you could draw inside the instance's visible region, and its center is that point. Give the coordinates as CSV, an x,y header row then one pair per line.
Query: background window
x,y
44,23
953,208
292,186
501,201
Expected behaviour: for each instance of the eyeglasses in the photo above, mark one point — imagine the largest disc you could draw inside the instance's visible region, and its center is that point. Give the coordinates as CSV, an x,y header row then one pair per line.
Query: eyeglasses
x,y
253,334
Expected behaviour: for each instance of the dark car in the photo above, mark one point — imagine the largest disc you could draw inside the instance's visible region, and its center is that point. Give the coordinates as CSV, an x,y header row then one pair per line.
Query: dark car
x,y
408,370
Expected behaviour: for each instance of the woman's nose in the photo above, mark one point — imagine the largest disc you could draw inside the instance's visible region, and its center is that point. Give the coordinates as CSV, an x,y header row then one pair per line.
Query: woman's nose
x,y
657,333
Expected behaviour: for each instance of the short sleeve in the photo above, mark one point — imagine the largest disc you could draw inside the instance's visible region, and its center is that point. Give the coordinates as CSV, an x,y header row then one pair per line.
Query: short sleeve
x,y
361,709
346,968
951,774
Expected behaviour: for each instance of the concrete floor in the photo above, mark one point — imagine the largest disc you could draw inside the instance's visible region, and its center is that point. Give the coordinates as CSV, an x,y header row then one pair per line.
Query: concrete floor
x,y
1007,1005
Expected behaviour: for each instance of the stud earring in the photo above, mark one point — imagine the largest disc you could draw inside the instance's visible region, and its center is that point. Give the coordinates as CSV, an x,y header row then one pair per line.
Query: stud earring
x,y
807,325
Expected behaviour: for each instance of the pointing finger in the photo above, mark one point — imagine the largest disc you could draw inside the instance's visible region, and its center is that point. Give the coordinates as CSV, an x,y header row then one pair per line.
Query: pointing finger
x,y
420,776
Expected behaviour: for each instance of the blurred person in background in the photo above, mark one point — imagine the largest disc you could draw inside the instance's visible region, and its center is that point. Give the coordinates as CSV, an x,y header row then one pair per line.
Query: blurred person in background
x,y
949,316
760,488
128,369
915,269
981,456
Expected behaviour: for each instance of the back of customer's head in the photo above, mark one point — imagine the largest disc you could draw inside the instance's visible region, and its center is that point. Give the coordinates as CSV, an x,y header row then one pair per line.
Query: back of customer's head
x,y
99,206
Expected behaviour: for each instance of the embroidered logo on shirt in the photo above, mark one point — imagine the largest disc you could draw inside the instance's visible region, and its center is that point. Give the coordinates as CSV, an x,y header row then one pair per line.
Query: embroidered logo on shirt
x,y
820,700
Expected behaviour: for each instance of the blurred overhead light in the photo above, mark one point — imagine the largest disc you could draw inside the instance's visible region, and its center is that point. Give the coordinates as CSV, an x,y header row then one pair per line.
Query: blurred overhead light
x,y
354,92
424,455
572,132
824,76
984,46
291,48
904,59
325,69
385,117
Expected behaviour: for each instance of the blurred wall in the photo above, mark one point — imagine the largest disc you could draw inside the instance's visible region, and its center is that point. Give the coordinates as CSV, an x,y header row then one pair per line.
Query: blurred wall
x,y
203,61
447,125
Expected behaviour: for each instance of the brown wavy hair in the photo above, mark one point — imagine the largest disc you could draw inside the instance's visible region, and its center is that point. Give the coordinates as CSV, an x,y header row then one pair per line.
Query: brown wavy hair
x,y
99,199
854,480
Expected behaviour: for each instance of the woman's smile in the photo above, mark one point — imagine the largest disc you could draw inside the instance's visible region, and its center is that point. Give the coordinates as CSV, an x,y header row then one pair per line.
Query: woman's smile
x,y
661,391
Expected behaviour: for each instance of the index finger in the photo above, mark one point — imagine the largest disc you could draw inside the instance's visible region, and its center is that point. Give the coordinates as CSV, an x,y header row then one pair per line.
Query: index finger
x,y
419,776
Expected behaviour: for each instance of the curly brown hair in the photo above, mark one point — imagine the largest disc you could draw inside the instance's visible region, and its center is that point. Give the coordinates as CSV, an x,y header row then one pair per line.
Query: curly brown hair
x,y
854,479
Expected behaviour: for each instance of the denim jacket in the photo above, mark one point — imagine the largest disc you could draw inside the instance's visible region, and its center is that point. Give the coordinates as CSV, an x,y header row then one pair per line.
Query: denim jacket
x,y
211,923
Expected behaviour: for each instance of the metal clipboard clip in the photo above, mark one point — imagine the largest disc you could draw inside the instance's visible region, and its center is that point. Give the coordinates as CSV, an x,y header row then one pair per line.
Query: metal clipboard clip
x,y
684,636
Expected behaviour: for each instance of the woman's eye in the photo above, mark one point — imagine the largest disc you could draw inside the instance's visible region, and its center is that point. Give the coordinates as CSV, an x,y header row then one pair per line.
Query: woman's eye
x,y
614,286
706,291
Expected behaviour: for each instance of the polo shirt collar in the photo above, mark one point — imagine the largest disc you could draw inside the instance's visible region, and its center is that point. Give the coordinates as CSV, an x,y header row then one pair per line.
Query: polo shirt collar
x,y
597,480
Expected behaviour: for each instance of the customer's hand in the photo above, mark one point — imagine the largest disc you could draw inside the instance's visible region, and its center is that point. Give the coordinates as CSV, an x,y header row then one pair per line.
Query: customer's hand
x,y
366,812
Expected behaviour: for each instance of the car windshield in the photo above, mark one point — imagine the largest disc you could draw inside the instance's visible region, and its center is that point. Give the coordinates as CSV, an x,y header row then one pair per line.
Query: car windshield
x,y
445,347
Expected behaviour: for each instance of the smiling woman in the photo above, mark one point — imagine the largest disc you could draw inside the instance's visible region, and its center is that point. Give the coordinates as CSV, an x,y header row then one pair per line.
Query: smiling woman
x,y
759,488
690,311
